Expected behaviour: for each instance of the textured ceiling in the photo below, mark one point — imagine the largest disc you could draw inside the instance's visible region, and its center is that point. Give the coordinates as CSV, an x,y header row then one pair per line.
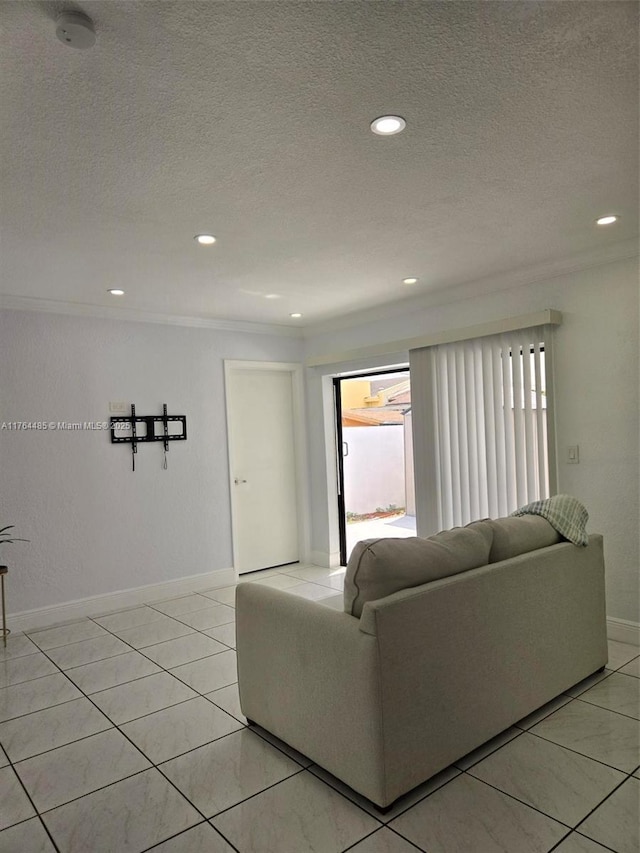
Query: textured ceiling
x,y
251,120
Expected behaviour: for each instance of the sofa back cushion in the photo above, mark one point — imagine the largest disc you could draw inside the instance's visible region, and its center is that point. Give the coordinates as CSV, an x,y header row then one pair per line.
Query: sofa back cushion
x,y
379,567
517,535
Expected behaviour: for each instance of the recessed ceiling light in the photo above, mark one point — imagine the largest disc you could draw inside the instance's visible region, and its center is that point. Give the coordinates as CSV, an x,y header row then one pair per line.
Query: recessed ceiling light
x,y
409,280
388,125
205,239
272,296
607,220
295,315
115,291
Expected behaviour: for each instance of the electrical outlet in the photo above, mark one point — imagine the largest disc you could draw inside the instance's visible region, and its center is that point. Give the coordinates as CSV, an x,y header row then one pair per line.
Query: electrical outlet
x,y
119,408
573,454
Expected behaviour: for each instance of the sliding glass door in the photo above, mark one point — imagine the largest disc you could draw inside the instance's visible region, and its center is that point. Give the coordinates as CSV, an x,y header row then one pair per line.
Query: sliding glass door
x,y
375,457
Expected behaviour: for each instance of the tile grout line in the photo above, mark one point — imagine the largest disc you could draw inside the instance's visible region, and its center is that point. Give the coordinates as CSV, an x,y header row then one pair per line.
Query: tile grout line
x,y
153,766
116,726
94,790
399,834
110,720
378,829
104,689
268,788
522,802
141,678
201,695
164,669
155,604
575,832
611,710
584,755
53,748
192,631
37,814
141,652
627,776
188,829
35,678
46,707
609,795
208,819
93,618
158,767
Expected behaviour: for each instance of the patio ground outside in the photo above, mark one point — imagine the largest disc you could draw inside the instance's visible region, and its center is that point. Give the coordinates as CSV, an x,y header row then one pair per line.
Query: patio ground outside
x,y
398,526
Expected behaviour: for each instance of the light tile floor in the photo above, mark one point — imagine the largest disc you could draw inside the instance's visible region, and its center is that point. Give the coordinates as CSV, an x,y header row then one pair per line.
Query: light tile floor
x,y
123,733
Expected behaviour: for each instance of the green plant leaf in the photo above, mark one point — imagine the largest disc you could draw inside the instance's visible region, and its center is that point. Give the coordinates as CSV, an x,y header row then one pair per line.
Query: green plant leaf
x,y
8,538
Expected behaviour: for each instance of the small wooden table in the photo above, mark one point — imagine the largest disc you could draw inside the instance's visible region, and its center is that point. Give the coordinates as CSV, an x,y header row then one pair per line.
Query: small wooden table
x,y
5,630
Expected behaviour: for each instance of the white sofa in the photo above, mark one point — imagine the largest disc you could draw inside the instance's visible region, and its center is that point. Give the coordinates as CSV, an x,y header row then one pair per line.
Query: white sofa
x,y
385,699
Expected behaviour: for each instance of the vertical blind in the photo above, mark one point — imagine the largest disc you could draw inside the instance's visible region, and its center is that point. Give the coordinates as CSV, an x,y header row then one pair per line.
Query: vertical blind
x,y
483,434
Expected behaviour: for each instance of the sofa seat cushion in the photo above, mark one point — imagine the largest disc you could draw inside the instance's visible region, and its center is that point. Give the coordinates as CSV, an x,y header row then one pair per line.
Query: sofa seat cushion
x,y
379,567
517,535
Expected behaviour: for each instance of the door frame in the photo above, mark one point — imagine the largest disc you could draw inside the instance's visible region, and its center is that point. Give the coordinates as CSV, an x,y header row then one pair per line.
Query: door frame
x,y
337,402
300,450
342,510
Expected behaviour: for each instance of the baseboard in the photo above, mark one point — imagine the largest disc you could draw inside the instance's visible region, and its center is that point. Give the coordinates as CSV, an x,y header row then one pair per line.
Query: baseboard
x,y
623,631
44,617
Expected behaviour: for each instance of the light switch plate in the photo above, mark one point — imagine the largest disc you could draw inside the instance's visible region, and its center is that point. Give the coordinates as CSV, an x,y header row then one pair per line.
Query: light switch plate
x,y
119,408
573,454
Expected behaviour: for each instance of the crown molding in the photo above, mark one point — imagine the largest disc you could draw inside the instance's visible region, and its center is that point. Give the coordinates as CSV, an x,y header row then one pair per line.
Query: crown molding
x,y
620,251
81,309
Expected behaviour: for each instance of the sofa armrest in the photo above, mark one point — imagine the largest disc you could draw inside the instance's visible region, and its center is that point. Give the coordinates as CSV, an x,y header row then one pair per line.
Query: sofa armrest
x,y
309,675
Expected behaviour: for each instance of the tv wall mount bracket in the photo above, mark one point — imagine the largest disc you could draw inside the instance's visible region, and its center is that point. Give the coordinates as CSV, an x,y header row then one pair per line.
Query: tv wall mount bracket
x,y
128,430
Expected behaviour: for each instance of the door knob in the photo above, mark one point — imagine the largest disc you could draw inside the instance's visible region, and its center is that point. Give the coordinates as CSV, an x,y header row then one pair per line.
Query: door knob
x,y
237,481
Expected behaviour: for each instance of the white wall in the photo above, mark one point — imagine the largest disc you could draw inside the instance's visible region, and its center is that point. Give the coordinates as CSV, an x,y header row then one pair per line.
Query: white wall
x,y
96,527
597,389
374,470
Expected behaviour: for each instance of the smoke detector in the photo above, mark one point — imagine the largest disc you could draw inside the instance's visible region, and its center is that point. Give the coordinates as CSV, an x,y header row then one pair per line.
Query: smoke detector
x,y
75,30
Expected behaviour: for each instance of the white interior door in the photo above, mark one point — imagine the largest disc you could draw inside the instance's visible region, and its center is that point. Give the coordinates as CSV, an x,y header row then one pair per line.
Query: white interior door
x,y
262,467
